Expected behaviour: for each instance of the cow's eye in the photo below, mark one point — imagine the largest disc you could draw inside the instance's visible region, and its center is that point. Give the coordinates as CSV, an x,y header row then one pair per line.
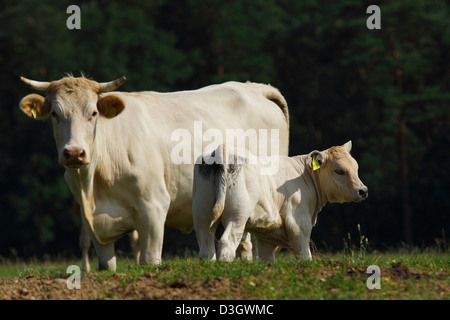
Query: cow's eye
x,y
93,115
340,172
55,115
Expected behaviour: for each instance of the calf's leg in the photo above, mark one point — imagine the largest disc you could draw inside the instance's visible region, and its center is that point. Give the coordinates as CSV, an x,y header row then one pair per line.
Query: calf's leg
x,y
232,235
300,240
202,206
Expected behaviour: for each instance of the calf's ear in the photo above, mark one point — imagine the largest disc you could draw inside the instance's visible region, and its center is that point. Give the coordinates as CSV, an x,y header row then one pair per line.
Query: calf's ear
x,y
348,146
316,159
110,106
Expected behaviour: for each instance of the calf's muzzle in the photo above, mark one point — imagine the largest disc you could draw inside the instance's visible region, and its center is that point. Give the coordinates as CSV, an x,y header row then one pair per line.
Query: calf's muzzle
x,y
363,193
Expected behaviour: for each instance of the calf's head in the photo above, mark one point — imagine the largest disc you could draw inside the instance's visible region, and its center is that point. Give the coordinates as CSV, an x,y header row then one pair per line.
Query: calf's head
x,y
338,174
74,105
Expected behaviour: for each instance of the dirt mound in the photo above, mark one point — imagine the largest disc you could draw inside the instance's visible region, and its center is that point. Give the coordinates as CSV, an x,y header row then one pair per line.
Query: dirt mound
x,y
398,270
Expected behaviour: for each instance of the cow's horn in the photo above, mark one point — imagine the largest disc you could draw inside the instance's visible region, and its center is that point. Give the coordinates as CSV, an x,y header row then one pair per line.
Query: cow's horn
x,y
36,85
109,86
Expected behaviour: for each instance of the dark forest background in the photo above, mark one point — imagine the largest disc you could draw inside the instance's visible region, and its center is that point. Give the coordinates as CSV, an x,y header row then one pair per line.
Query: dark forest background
x,y
387,90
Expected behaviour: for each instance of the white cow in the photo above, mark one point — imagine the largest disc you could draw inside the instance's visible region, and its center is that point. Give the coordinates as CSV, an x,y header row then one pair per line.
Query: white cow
x,y
279,209
118,150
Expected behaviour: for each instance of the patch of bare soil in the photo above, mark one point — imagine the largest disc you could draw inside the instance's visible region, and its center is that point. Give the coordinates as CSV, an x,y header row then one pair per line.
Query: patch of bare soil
x,y
396,271
115,286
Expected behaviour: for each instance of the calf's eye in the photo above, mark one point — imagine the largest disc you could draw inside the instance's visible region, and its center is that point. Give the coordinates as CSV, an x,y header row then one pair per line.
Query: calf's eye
x,y
340,172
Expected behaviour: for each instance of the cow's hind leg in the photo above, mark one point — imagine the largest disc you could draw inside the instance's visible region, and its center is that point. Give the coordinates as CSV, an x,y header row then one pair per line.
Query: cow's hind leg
x,y
150,227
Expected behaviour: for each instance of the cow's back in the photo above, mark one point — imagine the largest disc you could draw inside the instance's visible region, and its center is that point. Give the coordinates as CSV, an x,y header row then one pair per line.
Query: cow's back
x,y
231,105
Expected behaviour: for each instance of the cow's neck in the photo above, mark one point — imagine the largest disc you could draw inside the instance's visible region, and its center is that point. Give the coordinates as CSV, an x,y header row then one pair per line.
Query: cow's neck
x,y
110,154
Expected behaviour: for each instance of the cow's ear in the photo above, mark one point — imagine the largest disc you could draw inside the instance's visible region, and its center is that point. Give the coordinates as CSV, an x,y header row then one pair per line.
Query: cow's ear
x,y
35,106
110,106
316,159
347,146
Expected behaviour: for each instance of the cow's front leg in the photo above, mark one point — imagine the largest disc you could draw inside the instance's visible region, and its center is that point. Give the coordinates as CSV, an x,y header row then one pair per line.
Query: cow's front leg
x,y
106,256
85,243
150,227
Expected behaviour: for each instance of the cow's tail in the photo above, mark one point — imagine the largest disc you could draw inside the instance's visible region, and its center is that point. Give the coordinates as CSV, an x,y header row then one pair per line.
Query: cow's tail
x,y
274,95
220,183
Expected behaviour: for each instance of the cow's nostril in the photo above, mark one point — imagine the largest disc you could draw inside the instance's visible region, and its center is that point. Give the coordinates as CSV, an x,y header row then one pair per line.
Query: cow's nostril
x,y
363,192
82,155
66,154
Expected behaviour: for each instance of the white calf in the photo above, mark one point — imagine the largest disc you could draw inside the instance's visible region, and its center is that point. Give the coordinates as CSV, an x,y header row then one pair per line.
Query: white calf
x,y
279,209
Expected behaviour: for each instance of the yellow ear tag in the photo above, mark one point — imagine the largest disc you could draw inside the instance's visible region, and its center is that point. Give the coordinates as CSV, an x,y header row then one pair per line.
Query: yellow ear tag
x,y
112,112
315,163
35,112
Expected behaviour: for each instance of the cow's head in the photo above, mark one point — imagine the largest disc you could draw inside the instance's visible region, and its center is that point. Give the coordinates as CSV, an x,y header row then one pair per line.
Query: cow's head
x,y
338,174
74,105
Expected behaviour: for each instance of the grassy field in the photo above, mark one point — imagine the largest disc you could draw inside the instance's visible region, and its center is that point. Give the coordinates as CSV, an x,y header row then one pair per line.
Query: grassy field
x,y
404,275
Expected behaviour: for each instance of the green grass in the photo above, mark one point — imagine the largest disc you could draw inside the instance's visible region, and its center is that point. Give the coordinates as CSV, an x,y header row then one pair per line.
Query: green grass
x,y
326,277
35,268
404,275
333,276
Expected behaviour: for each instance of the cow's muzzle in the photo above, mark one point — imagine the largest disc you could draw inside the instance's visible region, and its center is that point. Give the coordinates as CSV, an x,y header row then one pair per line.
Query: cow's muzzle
x,y
74,158
363,193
